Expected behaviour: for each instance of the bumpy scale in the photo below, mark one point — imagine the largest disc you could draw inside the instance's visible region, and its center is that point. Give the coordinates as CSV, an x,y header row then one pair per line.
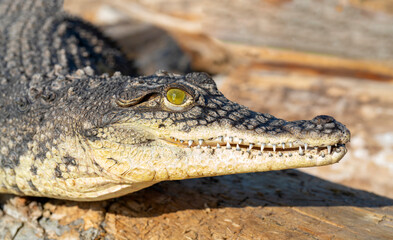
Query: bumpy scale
x,y
70,134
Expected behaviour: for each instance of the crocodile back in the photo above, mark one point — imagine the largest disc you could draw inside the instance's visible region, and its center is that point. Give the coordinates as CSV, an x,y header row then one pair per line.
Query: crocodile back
x,y
37,35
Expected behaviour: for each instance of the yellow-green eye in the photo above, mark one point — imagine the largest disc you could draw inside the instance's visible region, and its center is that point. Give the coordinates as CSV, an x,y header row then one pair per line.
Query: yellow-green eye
x,y
176,96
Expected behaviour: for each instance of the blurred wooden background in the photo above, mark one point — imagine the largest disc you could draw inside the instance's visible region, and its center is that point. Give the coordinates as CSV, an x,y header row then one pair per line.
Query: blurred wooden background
x,y
293,59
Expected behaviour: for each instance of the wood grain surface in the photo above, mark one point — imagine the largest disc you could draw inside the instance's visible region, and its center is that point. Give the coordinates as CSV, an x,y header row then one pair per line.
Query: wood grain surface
x,y
294,59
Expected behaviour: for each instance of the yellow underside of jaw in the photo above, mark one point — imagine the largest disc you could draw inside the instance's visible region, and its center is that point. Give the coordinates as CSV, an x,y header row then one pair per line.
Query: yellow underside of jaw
x,y
130,168
205,162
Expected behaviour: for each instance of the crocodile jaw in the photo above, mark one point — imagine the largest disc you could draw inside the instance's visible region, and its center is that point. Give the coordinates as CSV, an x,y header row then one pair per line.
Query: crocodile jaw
x,y
174,159
205,161
159,164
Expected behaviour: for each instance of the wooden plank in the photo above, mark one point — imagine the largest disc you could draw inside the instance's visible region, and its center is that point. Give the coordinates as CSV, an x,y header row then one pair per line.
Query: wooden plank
x,y
327,27
272,205
285,82
221,35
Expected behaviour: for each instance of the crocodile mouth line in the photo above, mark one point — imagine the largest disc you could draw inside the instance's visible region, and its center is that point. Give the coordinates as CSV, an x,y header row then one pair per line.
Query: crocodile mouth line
x,y
240,145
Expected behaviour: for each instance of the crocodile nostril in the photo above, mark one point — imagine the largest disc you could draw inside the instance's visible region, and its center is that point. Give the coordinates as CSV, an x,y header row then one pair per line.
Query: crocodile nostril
x,y
323,119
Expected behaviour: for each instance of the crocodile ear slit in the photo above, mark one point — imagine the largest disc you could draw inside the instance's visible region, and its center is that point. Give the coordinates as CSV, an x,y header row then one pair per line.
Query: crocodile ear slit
x,y
126,103
129,102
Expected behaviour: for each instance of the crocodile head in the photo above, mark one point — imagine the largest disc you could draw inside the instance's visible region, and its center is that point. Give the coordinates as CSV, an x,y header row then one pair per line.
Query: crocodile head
x,y
141,131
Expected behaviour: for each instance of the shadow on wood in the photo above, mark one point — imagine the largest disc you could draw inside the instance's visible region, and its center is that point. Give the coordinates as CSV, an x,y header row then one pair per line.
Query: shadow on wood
x,y
290,202
281,188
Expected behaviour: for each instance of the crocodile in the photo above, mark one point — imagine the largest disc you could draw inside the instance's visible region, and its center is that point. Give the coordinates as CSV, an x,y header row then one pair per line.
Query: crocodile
x,y
76,122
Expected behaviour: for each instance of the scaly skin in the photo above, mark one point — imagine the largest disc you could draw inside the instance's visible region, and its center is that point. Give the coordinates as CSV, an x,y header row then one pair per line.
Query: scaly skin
x,y
75,135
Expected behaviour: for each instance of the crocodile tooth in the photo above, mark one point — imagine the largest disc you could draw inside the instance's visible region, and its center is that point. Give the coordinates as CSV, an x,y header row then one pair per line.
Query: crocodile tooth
x,y
263,146
338,150
329,148
250,147
218,145
181,141
237,147
240,141
228,145
176,139
200,141
274,147
190,143
301,151
280,154
220,138
305,146
290,154
322,154
283,145
290,144
230,139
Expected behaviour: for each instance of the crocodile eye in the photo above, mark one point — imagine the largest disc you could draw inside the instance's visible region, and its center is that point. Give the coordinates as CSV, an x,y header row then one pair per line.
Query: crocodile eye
x,y
176,96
